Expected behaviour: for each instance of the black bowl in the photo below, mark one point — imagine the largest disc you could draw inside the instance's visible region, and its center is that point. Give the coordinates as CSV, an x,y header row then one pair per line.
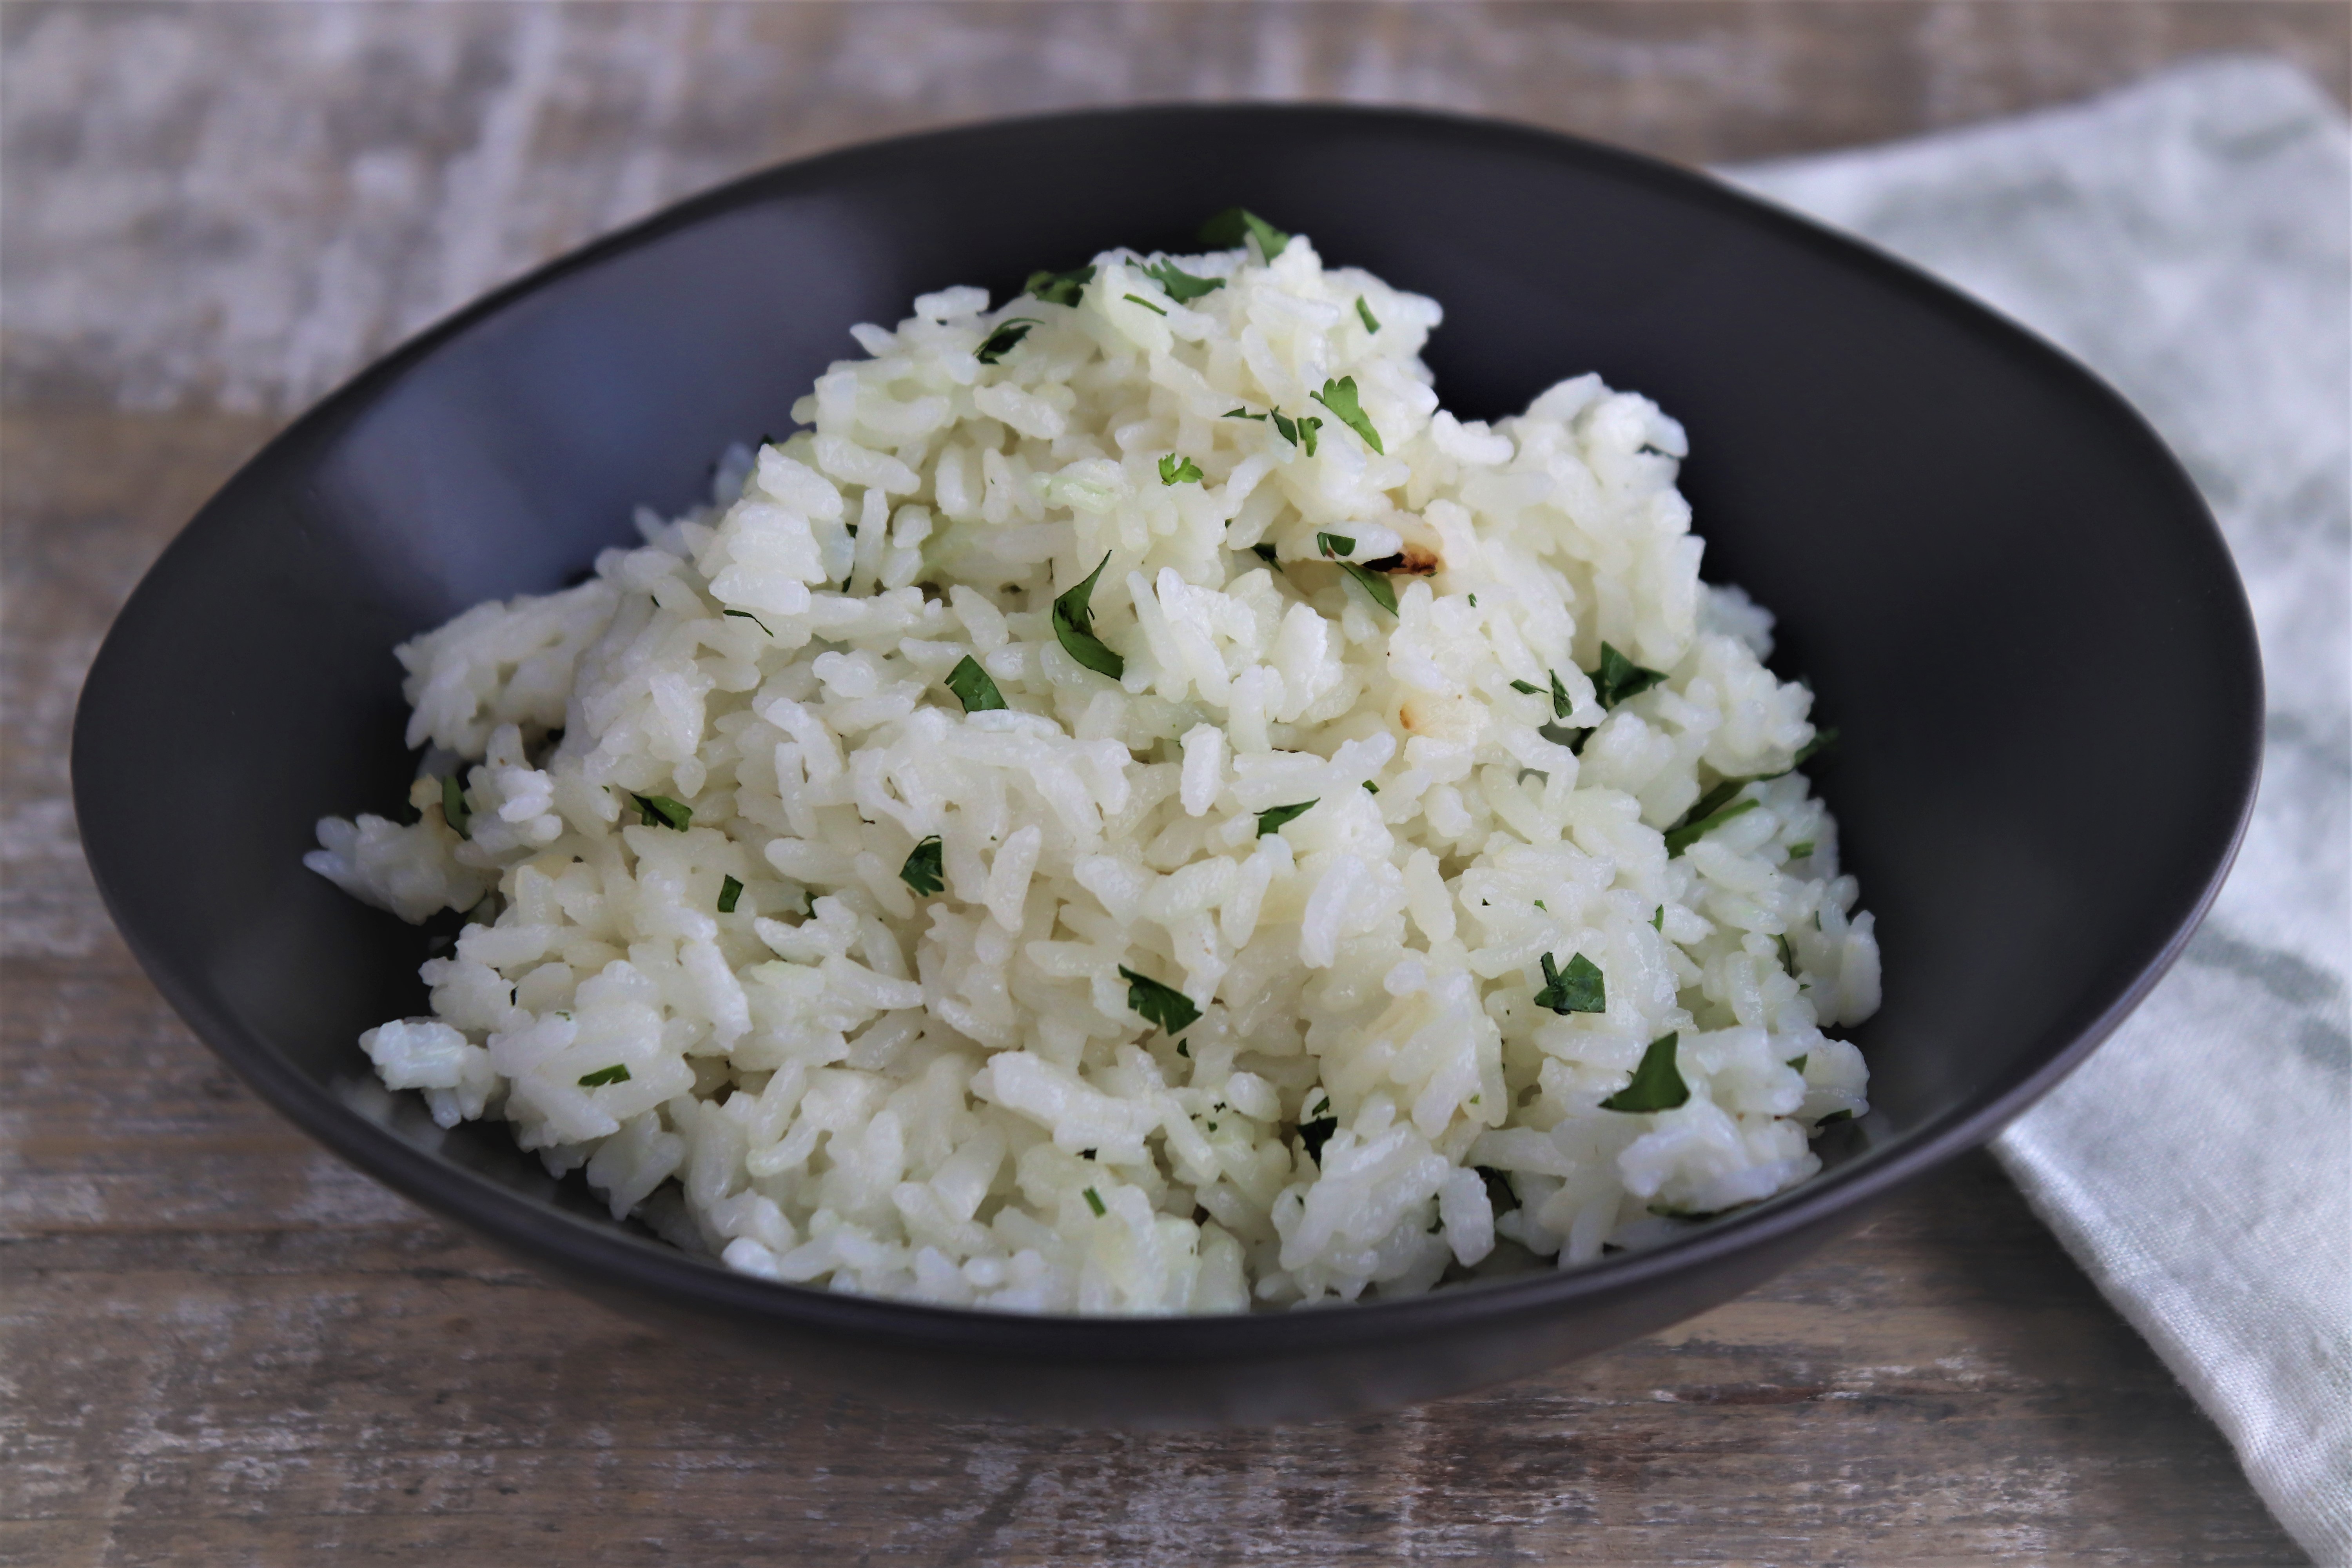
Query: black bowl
x,y
2004,589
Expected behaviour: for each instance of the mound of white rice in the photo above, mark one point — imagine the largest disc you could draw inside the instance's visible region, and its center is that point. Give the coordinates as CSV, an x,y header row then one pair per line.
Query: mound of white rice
x,y
702,790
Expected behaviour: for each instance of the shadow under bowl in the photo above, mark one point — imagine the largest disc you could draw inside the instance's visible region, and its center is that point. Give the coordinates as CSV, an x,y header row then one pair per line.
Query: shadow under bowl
x,y
2004,590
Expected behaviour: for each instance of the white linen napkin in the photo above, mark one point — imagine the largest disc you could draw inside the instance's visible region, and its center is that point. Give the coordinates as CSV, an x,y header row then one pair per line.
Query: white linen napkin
x,y
2188,238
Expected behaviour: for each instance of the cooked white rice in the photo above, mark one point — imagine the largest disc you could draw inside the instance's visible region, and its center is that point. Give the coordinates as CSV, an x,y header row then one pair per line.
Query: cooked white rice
x,y
950,1097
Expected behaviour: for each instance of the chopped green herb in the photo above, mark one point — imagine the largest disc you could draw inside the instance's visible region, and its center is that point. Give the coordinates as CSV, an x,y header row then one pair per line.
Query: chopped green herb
x,y
1263,553
1074,626
1619,678
1474,601
924,871
1161,1005
1382,591
1181,285
1271,821
1561,705
1787,959
1833,1116
1299,432
1364,314
972,687
1316,1130
1094,1202
1658,920
1529,687
1340,397
1681,839
660,811
1085,1154
617,1073
1578,988
453,806
1244,414
1228,228
1005,339
1184,1050
1371,788
748,615
1059,288
1540,904
1140,300
1657,1083
1176,471
730,891
1799,851
1335,545
1798,1062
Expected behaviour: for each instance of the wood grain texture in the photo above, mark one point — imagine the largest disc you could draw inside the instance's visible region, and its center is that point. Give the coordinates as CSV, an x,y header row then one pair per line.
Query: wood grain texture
x,y
223,1347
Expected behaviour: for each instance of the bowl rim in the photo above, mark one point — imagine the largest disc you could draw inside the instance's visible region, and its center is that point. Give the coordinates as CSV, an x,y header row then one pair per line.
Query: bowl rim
x,y
573,1245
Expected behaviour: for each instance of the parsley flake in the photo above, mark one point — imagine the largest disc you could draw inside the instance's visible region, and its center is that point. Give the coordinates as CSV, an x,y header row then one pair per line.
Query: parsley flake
x,y
1383,592
1371,788
1263,553
1657,1083
1074,626
1335,545
617,1073
1299,432
1364,314
1228,227
1094,1202
1244,414
1529,687
1176,471
924,871
1059,288
1179,285
731,892
1578,988
1797,1062
1559,702
660,811
1340,397
1681,839
1799,851
1316,1130
748,615
453,806
1619,678
1658,920
1005,339
1140,300
972,687
1271,821
1161,1005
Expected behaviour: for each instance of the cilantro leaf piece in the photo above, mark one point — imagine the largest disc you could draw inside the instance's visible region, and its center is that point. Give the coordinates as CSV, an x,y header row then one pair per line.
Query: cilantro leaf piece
x,y
1658,920
1059,288
731,892
1299,432
748,615
1382,591
1161,1005
1529,687
925,871
1263,553
1315,1128
1242,414
1271,821
1176,471
1799,851
617,1073
1335,545
1799,1061
660,811
1619,678
1340,397
1179,285
972,687
1681,839
1005,339
1371,788
1140,300
1228,228
1559,702
1578,988
453,806
1364,314
1094,1202
1657,1083
1074,626
1787,959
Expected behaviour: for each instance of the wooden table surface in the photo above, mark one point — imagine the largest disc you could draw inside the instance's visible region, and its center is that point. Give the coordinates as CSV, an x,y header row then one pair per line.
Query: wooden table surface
x,y
225,1347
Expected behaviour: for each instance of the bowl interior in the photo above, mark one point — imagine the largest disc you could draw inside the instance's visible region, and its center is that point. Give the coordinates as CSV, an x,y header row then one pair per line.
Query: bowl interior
x,y
2005,593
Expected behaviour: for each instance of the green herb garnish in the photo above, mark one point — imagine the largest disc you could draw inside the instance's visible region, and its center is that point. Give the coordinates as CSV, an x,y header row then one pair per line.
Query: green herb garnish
x,y
1619,678
1271,821
1244,414
1799,851
1787,959
1059,288
1658,920
1316,1131
1005,339
1371,788
1299,432
1228,228
1094,1202
1578,988
1364,314
1335,545
1798,1062
453,806
1179,285
972,687
660,811
1074,626
1382,591
1529,687
617,1073
1657,1083
924,871
1340,397
1161,1005
1681,839
1263,553
1176,471
1140,300
729,892
748,615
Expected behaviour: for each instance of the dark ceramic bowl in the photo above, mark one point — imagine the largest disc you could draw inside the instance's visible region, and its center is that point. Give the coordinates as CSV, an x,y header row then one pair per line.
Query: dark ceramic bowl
x,y
2004,589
